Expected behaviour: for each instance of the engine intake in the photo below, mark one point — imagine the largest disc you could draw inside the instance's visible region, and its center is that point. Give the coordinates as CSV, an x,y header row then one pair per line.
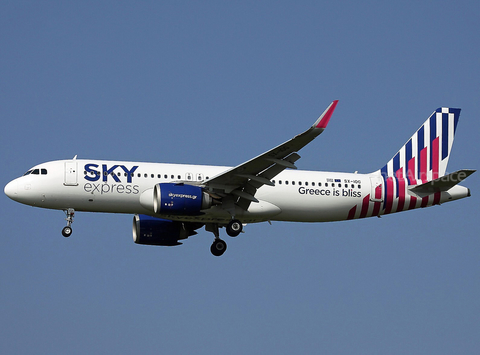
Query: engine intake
x,y
180,199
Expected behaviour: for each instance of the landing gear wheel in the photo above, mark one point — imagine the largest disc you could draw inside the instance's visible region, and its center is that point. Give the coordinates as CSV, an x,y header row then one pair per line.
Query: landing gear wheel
x,y
234,227
67,231
218,247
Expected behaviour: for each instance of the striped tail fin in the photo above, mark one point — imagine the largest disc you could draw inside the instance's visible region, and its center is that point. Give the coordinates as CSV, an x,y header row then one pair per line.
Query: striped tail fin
x,y
425,155
415,176
422,159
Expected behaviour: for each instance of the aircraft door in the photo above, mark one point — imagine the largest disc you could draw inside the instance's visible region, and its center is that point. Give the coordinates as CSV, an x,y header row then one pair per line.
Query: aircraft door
x,y
71,173
376,193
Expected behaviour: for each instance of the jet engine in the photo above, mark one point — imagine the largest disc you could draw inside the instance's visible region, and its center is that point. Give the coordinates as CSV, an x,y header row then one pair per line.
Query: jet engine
x,y
180,199
156,231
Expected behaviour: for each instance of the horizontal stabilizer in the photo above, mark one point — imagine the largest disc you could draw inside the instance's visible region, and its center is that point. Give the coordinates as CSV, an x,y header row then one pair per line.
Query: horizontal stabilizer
x,y
443,183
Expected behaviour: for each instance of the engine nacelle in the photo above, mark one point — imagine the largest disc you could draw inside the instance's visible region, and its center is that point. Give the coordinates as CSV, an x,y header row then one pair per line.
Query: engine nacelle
x,y
180,199
156,231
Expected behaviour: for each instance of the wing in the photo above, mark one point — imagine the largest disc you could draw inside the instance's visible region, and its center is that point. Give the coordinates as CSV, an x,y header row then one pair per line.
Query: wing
x,y
239,184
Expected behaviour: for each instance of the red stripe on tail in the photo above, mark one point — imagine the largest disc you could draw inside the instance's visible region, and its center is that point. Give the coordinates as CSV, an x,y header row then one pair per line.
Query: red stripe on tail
x,y
423,173
401,190
389,196
435,158
413,181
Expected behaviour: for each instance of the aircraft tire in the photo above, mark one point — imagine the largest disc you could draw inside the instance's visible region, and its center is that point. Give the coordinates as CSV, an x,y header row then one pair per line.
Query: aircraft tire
x,y
218,247
67,231
234,227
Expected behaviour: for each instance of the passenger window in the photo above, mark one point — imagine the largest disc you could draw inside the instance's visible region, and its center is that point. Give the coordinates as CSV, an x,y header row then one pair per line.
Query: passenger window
x,y
306,183
179,177
300,183
293,182
359,186
139,175
279,182
286,182
326,184
165,176
313,184
173,176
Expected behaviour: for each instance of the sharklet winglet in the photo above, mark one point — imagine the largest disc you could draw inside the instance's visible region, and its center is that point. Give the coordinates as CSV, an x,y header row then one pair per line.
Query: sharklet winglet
x,y
324,118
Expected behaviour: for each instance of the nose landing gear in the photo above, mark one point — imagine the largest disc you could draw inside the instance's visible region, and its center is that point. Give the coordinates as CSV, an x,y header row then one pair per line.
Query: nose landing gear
x,y
67,230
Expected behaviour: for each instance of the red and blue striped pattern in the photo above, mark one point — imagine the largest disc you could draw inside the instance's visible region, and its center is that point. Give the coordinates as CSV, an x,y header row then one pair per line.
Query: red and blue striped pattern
x,y
423,158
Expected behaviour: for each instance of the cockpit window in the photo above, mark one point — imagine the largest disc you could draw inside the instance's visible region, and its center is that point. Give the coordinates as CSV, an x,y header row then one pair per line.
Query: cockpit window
x,y
36,172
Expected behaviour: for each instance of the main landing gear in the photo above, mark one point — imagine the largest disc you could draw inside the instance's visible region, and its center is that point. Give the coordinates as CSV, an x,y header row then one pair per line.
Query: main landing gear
x,y
218,247
67,230
234,228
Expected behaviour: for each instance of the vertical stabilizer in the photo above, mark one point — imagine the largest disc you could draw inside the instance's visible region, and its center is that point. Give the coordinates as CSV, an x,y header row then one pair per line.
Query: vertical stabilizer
x,y
422,159
425,155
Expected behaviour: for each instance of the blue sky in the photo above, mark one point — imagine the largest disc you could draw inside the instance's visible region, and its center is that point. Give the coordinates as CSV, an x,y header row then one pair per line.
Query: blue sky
x,y
219,83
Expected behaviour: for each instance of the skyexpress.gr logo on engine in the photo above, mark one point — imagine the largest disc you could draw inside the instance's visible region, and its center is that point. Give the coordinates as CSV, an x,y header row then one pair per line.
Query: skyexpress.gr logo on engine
x,y
172,195
93,173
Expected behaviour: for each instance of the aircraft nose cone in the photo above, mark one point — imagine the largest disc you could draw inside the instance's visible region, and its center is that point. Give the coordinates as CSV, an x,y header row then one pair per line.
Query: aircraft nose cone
x,y
11,189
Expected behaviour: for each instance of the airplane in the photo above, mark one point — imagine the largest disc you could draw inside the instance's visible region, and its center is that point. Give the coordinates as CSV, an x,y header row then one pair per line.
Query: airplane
x,y
170,202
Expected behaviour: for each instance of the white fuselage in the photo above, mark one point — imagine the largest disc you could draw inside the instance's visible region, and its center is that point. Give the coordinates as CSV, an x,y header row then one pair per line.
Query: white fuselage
x,y
127,187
